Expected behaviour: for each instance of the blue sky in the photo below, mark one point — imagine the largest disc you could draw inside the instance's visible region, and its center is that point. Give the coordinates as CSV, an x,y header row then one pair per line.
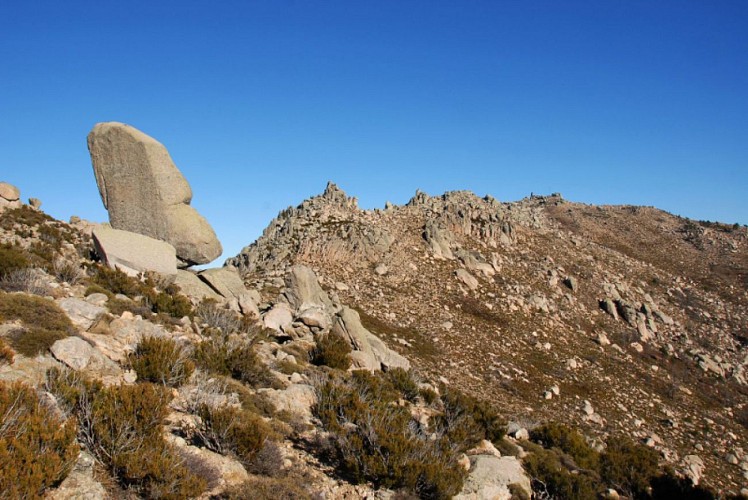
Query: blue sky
x,y
261,102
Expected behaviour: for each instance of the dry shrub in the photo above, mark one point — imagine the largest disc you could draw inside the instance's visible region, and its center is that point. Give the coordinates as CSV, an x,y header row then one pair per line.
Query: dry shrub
x,y
332,350
28,280
6,353
568,440
233,358
12,258
231,430
375,440
37,448
467,421
209,313
67,271
268,461
43,322
114,280
161,360
122,426
169,301
629,466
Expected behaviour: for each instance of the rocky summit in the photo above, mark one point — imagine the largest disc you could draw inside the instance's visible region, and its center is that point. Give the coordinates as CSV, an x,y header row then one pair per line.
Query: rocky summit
x,y
452,347
145,193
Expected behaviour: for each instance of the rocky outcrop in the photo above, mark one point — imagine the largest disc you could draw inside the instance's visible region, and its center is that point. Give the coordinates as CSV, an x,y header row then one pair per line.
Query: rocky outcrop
x,y
145,193
225,281
9,196
494,478
134,253
369,352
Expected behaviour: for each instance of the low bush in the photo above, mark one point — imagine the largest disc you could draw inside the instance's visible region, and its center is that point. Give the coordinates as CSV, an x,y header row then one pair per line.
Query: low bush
x,y
115,281
67,271
122,426
29,280
6,352
169,301
12,258
467,421
209,313
628,466
403,382
37,448
231,430
568,440
232,358
43,322
162,361
23,216
551,476
332,350
374,440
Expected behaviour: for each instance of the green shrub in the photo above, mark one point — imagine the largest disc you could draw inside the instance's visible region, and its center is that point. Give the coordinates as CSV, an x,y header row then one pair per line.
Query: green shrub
x,y
332,350
162,361
12,258
403,382
628,466
44,323
234,359
551,478
375,441
467,420
232,430
122,426
37,448
568,440
169,302
115,281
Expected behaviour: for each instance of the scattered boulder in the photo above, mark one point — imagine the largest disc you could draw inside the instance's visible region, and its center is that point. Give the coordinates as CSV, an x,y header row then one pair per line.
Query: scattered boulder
x,y
81,312
35,203
79,355
134,253
303,290
468,279
297,399
369,352
192,286
279,318
145,193
490,477
9,196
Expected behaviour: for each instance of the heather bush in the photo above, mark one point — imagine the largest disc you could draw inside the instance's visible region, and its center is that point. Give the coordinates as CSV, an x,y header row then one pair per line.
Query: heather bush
x,y
122,426
332,350
374,440
568,440
12,258
402,381
169,301
6,352
29,280
551,476
467,421
37,448
231,430
234,358
43,322
209,313
628,466
162,361
115,281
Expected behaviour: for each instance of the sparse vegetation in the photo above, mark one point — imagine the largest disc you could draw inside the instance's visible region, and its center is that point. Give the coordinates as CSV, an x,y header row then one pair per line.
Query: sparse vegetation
x,y
43,322
12,258
266,488
37,448
231,430
234,358
121,425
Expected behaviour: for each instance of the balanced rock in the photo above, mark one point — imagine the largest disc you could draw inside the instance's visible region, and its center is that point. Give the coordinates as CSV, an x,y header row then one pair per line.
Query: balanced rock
x,y
145,193
9,192
134,253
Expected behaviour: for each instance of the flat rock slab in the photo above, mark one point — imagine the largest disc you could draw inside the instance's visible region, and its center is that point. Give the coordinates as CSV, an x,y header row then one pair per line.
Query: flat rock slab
x,y
81,312
145,193
490,477
225,281
192,286
79,355
134,253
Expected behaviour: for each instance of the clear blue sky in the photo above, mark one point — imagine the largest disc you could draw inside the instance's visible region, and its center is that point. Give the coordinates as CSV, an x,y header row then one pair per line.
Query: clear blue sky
x,y
261,102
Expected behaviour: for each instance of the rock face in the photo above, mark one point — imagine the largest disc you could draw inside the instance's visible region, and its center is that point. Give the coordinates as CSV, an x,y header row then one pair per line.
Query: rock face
x,y
490,478
369,352
145,193
134,253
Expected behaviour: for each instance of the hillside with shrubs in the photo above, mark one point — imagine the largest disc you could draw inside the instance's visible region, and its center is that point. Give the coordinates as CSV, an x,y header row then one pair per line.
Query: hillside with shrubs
x,y
455,347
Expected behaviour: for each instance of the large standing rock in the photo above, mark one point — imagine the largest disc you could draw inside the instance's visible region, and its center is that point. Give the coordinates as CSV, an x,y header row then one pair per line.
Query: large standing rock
x,y
369,352
9,192
134,253
224,280
145,193
303,290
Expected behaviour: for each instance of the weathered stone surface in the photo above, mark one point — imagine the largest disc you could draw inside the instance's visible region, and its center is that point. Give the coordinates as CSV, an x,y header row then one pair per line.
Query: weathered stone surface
x,y
78,354
468,279
145,193
315,317
35,203
134,253
278,318
369,352
303,290
119,337
489,479
33,371
225,281
9,192
438,240
192,286
80,484
82,313
248,305
297,399
229,471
